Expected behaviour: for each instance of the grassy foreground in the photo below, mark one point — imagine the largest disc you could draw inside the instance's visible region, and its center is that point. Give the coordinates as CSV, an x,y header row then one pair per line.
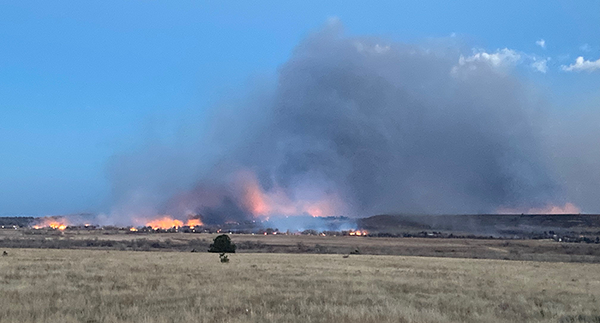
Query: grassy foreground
x,y
38,285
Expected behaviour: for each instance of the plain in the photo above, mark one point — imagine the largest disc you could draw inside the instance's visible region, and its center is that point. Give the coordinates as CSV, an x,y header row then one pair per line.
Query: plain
x,y
42,285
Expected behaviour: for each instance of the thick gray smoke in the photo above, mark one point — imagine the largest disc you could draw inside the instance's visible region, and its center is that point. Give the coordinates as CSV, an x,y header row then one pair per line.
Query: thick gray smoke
x,y
384,127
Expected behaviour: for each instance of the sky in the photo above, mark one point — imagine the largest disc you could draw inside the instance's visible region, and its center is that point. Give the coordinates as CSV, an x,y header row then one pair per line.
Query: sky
x,y
81,82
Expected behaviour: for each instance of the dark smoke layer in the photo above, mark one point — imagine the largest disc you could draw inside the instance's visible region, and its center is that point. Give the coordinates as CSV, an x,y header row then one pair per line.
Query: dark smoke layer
x,y
383,127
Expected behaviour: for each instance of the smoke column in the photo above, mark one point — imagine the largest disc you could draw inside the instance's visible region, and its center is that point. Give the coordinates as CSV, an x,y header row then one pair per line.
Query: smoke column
x,y
353,126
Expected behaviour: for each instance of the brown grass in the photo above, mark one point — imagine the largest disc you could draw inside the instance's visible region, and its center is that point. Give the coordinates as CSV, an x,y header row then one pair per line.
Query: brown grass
x,y
38,285
535,250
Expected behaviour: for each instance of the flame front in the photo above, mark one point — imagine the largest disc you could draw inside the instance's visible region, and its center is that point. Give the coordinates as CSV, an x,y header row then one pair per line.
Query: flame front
x,y
194,223
167,222
53,223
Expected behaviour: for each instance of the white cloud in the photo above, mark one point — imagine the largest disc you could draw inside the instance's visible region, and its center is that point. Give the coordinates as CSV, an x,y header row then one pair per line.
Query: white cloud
x,y
500,60
541,43
540,65
502,57
582,65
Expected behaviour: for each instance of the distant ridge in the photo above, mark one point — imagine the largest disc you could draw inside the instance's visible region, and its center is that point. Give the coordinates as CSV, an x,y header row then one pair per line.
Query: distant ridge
x,y
483,224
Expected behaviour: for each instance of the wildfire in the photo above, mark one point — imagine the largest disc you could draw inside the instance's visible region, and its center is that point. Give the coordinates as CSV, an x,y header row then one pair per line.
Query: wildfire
x,y
52,223
193,222
57,225
255,200
167,222
358,233
132,229
277,202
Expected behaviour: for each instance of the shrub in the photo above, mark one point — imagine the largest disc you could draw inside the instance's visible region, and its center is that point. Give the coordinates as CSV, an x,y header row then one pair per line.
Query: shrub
x,y
223,257
222,244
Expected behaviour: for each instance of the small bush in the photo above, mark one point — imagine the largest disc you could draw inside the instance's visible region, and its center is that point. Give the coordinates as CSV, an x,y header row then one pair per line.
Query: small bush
x,y
223,257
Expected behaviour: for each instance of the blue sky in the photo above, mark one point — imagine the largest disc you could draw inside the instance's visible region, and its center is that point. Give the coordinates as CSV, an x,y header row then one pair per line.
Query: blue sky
x,y
82,81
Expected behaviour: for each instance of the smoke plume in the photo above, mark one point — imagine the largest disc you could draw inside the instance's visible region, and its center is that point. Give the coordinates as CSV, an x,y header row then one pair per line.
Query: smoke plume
x,y
354,126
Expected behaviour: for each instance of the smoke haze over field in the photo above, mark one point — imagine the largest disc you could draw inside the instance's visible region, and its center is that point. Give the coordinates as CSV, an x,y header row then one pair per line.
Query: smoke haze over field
x,y
355,126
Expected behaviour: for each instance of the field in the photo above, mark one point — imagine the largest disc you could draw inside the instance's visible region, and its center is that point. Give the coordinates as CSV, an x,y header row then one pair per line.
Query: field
x,y
506,249
38,285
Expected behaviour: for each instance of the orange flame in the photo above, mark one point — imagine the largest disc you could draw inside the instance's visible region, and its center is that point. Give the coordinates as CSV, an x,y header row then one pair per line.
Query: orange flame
x,y
53,223
358,233
255,199
194,223
167,222
277,202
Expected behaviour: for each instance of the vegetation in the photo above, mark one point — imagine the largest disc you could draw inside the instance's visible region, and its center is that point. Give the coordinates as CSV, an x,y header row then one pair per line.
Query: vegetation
x,y
222,244
19,221
536,250
155,287
223,256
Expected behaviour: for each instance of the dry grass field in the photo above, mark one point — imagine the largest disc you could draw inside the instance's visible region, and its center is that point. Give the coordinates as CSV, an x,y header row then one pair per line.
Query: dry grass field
x,y
534,250
41,285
